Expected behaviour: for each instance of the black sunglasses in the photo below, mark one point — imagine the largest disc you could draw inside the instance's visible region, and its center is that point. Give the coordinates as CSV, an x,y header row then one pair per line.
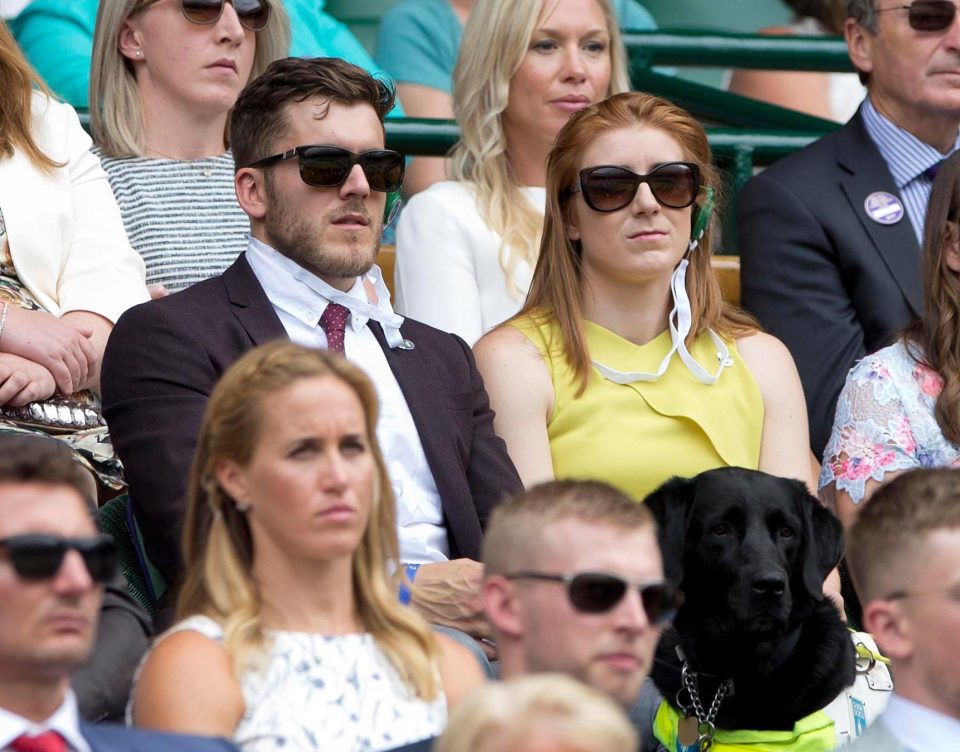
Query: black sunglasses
x,y
38,556
927,15
599,592
253,14
607,188
329,166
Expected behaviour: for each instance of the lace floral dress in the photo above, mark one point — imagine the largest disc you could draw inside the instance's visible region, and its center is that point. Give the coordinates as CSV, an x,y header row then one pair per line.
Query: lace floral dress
x,y
884,422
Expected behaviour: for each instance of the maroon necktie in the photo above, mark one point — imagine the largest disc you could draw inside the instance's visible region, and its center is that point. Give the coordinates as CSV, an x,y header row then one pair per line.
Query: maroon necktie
x,y
333,321
48,741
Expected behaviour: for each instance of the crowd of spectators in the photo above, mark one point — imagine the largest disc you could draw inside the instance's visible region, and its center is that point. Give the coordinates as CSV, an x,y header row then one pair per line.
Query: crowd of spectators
x,y
360,509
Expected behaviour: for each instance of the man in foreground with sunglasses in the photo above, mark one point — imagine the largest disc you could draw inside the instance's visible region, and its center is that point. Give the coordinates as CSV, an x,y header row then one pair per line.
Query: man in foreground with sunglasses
x,y
573,582
314,176
53,567
830,236
904,554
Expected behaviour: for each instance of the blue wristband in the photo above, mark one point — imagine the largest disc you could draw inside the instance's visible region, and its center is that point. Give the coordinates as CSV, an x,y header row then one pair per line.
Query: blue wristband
x,y
411,572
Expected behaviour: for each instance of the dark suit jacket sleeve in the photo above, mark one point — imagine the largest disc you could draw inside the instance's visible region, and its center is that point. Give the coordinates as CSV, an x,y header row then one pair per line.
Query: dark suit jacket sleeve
x,y
490,471
110,738
792,282
156,379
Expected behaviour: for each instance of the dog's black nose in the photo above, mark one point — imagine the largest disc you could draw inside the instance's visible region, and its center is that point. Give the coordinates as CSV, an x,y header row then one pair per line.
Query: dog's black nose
x,y
769,583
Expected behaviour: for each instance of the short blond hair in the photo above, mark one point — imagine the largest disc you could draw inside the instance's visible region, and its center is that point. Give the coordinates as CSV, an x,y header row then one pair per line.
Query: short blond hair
x,y
892,527
519,526
508,715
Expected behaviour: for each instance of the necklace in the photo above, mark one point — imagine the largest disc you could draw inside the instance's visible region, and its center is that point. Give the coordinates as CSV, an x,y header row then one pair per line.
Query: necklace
x,y
698,728
207,171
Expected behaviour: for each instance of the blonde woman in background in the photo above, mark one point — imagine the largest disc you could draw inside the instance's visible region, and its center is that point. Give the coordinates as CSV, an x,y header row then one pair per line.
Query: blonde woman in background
x,y
466,248
164,76
291,634
546,712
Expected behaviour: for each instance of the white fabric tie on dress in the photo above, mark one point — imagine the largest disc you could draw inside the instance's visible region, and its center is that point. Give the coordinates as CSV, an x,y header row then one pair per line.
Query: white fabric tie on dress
x,y
679,323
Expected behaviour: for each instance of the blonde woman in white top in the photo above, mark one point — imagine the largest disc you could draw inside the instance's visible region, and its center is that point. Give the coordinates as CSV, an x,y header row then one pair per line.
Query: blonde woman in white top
x,y
466,248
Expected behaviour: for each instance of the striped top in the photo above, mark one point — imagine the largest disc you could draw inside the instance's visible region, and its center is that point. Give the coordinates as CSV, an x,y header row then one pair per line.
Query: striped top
x,y
182,217
908,158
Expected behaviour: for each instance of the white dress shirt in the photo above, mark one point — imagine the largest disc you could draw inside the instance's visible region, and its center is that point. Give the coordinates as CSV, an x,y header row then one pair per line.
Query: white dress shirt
x,y
65,721
297,297
920,729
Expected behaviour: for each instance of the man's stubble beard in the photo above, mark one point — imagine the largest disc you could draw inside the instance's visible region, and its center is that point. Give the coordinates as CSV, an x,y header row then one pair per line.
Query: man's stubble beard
x,y
293,237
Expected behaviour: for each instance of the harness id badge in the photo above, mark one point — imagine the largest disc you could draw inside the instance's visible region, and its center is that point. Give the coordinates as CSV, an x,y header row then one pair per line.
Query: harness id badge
x,y
688,734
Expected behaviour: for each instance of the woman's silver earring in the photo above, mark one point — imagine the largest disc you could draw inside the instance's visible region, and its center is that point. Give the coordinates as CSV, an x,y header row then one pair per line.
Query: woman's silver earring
x,y
242,506
139,53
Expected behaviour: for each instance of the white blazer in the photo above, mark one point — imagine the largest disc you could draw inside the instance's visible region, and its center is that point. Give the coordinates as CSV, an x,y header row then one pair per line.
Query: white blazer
x,y
64,229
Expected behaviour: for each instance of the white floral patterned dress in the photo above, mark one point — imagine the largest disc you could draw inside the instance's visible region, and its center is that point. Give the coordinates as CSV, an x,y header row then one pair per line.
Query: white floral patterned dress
x,y
335,694
884,422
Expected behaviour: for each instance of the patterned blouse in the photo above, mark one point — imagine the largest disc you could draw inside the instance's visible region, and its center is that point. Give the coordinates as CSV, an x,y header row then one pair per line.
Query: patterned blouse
x,y
315,693
885,422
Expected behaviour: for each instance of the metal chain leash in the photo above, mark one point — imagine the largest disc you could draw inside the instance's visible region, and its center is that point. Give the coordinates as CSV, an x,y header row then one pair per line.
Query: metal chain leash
x,y
706,729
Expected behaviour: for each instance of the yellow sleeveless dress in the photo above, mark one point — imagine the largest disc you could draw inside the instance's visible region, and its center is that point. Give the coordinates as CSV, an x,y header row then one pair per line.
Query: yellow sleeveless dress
x,y
636,436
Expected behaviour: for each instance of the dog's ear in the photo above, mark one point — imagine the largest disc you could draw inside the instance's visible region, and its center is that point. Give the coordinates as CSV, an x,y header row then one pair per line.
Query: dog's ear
x,y
670,505
823,541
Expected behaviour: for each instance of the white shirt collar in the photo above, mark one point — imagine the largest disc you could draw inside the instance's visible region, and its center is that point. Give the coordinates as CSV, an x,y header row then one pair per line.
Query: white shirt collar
x,y
65,721
920,728
305,296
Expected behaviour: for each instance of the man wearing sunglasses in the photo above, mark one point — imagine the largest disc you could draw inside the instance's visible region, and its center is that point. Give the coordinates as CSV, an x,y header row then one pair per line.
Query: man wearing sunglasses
x,y
314,176
904,554
54,564
829,237
573,582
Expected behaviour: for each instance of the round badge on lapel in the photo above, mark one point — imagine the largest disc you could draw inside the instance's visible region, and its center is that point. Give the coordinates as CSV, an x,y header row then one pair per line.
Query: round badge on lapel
x,y
883,208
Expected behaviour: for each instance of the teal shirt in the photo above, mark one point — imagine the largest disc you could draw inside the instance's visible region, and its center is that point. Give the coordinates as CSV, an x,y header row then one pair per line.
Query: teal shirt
x,y
57,38
419,40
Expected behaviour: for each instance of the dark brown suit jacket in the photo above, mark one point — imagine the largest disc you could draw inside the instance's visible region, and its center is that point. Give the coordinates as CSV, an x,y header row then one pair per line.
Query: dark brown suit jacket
x,y
164,357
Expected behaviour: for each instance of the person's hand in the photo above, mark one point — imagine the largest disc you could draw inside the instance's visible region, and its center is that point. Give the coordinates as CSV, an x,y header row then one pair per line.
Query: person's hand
x,y
447,593
64,350
23,381
157,290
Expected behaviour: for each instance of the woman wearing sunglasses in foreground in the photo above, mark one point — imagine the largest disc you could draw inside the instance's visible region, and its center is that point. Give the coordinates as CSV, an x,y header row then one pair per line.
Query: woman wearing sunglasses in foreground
x,y
625,365
164,76
292,636
466,247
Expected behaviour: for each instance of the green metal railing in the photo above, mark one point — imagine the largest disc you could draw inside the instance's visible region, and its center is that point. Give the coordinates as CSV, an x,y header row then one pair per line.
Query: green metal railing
x,y
709,49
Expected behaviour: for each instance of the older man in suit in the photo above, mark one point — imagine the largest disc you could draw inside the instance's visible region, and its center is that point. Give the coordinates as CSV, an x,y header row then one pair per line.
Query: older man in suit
x,y
53,564
829,237
313,175
904,555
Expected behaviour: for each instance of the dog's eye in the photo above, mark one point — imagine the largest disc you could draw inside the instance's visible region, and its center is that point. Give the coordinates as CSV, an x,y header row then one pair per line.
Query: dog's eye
x,y
722,529
787,532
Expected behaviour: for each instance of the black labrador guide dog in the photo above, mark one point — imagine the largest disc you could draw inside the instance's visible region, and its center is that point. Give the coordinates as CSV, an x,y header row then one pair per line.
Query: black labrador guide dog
x,y
750,552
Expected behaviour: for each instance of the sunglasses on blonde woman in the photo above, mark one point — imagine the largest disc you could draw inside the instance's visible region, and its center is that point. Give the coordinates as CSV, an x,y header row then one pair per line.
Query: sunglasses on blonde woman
x,y
927,15
253,14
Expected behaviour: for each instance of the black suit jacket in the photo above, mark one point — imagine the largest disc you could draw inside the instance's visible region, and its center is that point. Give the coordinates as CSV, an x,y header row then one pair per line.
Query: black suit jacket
x,y
164,357
818,272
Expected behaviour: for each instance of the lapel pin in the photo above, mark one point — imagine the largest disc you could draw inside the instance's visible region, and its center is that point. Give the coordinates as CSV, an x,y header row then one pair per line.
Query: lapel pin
x,y
883,208
406,345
